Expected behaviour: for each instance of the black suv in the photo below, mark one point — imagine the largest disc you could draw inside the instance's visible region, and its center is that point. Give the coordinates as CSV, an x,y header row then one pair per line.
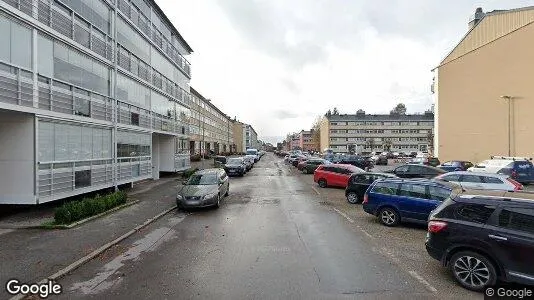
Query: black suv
x,y
484,236
361,162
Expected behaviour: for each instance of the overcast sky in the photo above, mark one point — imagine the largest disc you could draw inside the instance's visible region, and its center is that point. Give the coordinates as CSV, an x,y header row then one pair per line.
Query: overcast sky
x,y
278,64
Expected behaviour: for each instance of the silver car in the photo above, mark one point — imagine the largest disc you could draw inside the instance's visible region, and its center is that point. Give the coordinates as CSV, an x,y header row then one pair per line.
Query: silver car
x,y
483,181
204,188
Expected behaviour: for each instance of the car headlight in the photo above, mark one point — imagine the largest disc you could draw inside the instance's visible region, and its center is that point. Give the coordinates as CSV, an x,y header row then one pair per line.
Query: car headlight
x,y
209,196
179,197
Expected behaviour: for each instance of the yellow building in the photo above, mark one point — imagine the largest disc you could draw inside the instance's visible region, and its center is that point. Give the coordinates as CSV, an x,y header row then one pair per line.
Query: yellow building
x,y
484,89
238,136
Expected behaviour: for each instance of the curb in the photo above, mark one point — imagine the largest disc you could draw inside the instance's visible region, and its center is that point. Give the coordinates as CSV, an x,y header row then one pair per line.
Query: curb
x,y
95,253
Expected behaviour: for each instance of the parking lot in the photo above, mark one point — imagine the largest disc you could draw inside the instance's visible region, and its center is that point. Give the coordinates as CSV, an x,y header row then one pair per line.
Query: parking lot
x,y
403,245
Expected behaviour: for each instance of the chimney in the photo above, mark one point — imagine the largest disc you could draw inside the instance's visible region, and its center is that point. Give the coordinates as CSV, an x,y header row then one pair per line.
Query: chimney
x,y
473,21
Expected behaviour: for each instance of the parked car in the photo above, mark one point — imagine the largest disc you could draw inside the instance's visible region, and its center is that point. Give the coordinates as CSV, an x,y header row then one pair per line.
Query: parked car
x,y
204,188
219,161
519,168
334,175
399,200
297,161
235,166
253,158
309,166
455,165
381,160
358,184
483,237
485,181
252,151
249,162
427,161
355,160
416,171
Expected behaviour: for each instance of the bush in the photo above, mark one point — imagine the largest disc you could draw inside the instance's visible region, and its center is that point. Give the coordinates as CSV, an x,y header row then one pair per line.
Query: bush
x,y
87,207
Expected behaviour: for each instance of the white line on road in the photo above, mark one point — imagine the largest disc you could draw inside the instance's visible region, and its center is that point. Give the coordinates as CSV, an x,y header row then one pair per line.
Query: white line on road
x,y
423,281
344,215
315,190
366,233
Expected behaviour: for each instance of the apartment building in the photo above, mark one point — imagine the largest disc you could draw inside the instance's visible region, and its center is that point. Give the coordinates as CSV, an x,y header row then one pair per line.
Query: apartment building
x,y
306,142
483,90
211,130
93,94
364,133
250,137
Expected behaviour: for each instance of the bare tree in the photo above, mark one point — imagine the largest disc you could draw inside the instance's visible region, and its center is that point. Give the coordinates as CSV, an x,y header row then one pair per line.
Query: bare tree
x,y
370,142
430,141
316,132
386,145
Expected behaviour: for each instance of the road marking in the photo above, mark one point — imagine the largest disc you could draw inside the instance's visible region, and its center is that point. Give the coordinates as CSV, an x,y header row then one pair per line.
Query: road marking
x,y
316,191
366,233
423,281
344,215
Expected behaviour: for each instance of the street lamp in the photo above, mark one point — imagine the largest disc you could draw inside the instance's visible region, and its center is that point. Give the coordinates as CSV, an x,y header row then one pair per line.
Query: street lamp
x,y
509,98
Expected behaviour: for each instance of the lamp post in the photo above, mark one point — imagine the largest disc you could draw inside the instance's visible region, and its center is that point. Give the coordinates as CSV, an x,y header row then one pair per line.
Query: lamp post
x,y
509,98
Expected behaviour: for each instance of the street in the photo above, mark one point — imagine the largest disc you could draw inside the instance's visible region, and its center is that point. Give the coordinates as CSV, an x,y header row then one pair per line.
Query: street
x,y
274,237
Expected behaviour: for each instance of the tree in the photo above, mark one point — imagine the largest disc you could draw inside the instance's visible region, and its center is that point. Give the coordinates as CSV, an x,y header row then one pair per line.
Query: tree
x,y
370,142
400,109
430,141
316,132
386,145
335,112
360,112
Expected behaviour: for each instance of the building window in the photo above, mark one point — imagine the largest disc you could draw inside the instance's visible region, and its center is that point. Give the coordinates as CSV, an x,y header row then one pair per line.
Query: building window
x,y
134,117
82,179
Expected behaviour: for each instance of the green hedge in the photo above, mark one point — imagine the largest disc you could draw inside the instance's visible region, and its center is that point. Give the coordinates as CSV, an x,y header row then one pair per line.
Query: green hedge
x,y
76,210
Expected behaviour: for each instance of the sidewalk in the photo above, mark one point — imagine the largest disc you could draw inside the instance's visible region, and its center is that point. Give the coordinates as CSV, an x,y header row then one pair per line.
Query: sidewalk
x,y
31,255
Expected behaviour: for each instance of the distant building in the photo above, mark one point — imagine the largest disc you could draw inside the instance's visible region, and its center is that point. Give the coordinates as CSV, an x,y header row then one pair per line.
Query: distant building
x,y
211,130
306,142
364,133
483,89
245,137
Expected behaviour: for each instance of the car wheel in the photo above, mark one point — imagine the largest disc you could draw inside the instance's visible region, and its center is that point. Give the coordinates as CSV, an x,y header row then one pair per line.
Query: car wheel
x,y
218,203
473,271
322,183
352,197
389,216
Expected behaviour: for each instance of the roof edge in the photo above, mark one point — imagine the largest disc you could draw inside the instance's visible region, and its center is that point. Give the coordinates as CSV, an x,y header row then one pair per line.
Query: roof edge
x,y
164,16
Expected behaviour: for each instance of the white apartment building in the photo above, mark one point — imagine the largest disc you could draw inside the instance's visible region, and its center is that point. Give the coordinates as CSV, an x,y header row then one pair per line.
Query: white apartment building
x,y
93,94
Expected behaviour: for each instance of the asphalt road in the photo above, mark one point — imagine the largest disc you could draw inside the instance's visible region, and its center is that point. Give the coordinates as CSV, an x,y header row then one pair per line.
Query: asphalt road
x,y
274,237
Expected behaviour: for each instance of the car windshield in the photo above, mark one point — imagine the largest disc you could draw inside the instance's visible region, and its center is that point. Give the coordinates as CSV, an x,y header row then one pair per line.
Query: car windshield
x,y
235,161
202,179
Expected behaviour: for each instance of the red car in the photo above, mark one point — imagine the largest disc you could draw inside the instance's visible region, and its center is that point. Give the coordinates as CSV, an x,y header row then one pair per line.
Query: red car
x,y
334,175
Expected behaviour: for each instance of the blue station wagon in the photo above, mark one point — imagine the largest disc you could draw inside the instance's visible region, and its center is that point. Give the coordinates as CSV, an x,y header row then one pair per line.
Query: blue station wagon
x,y
405,200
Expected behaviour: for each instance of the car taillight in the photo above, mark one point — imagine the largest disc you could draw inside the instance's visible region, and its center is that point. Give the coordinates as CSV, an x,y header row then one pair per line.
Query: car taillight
x,y
517,186
436,226
365,199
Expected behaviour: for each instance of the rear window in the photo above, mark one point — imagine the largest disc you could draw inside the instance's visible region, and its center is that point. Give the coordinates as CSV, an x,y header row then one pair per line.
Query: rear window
x,y
385,188
471,212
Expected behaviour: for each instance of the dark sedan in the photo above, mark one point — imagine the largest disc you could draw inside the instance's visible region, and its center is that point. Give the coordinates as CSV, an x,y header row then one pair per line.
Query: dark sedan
x,y
417,171
455,165
361,162
235,166
358,184
310,165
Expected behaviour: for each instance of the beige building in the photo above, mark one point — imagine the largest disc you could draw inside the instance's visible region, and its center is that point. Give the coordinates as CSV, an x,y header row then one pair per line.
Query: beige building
x,y
211,131
364,133
484,91
238,134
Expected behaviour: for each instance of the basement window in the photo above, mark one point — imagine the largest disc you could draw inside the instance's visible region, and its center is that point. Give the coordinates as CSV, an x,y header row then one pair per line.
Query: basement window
x,y
82,179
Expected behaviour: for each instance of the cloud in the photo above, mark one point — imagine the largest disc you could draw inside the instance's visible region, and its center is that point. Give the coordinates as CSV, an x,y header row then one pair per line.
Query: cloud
x,y
284,114
278,64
